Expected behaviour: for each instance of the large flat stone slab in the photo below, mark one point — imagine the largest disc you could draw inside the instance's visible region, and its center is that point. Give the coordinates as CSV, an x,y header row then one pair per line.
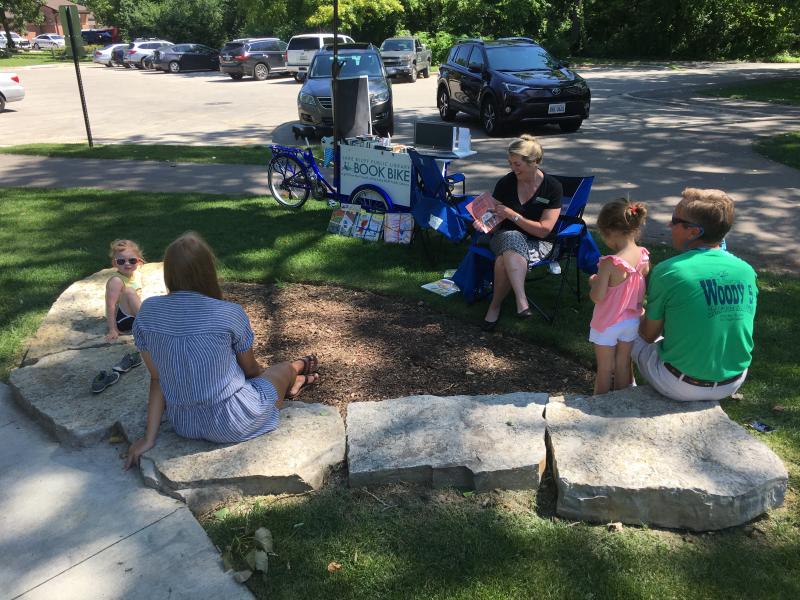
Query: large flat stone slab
x,y
637,457
56,391
294,458
476,442
77,318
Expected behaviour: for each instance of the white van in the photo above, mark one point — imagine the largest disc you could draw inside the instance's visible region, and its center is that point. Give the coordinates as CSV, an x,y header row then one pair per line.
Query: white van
x,y
302,48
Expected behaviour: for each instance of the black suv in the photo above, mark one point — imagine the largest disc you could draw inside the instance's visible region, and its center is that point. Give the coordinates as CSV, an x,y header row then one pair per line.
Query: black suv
x,y
510,80
256,57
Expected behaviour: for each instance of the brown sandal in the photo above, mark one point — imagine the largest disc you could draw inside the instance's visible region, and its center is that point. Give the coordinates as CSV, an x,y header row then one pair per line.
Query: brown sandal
x,y
307,381
310,364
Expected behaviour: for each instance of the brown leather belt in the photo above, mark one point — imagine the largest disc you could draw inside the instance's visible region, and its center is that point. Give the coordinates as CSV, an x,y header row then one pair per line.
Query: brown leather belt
x,y
699,382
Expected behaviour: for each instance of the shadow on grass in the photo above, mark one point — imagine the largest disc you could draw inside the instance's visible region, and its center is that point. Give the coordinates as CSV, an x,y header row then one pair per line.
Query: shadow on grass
x,y
413,543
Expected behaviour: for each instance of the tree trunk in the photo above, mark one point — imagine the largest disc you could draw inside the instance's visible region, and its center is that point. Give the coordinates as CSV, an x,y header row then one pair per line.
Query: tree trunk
x,y
577,30
6,28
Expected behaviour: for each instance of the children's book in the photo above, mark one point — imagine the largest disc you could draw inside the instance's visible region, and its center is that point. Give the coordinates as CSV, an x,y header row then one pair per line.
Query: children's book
x,y
398,228
374,229
481,210
443,287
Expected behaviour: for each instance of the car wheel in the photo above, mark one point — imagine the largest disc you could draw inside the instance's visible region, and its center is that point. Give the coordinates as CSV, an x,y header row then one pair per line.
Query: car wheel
x,y
261,72
2,104
426,72
174,67
443,103
108,64
126,65
36,47
299,78
413,76
490,118
236,76
570,126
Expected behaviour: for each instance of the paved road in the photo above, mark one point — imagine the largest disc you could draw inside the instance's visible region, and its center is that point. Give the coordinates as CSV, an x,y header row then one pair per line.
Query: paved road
x,y
651,134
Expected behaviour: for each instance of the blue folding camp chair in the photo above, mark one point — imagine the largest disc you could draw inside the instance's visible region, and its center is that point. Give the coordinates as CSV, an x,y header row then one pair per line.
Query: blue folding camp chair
x,y
573,240
433,203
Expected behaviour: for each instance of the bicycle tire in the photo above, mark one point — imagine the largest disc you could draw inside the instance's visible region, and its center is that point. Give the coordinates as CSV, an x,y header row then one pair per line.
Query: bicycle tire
x,y
372,198
288,181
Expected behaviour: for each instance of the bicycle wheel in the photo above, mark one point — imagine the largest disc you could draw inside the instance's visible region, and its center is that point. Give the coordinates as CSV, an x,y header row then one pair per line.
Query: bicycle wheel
x,y
372,198
288,182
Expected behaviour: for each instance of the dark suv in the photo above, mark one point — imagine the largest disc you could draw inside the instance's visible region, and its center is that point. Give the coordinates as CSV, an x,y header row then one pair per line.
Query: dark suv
x,y
510,80
256,57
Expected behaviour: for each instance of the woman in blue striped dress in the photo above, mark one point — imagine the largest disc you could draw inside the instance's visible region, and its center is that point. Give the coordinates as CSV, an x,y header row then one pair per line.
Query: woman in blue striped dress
x,y
199,351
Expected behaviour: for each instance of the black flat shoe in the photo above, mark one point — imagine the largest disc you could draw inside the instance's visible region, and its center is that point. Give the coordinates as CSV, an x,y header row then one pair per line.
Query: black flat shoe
x,y
489,325
524,314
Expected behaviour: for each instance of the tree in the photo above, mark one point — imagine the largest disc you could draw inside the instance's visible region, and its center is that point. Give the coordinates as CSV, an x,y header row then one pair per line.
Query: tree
x,y
22,11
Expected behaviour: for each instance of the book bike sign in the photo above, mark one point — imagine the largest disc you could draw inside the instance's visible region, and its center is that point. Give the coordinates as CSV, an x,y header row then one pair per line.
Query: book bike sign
x,y
388,170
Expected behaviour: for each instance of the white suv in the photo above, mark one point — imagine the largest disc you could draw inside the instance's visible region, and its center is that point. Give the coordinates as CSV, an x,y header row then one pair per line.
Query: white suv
x,y
19,42
302,48
48,40
138,50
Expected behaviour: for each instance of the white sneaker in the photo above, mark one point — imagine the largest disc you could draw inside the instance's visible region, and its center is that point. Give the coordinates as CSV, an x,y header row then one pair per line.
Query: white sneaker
x,y
555,268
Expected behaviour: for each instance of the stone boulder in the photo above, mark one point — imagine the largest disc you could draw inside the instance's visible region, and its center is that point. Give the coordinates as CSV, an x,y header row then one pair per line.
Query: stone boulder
x,y
637,457
77,318
294,458
475,442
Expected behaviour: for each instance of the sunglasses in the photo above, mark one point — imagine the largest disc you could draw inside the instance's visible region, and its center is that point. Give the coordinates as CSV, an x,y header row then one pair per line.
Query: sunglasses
x,y
122,261
678,221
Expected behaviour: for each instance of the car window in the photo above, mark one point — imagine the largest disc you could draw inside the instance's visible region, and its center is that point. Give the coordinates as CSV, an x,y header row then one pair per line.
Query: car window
x,y
520,58
182,48
353,66
461,55
282,46
476,59
57,37
232,47
396,45
311,43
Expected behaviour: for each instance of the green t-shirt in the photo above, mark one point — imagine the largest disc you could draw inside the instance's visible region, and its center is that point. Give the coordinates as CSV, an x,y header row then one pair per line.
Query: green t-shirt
x,y
707,299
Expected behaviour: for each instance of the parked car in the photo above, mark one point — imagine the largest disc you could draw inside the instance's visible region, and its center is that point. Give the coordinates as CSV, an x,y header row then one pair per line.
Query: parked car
x,y
140,48
314,105
97,36
302,49
508,81
48,40
19,41
103,56
254,57
406,56
11,89
185,57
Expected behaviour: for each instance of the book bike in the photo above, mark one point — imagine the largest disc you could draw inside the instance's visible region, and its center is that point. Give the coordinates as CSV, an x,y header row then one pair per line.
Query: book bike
x,y
295,175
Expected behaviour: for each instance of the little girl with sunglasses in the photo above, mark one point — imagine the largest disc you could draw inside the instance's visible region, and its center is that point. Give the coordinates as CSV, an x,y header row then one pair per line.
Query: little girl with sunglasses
x,y
124,288
618,292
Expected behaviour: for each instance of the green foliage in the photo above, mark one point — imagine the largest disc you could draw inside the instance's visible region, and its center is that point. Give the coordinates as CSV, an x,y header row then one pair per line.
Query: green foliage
x,y
364,20
14,14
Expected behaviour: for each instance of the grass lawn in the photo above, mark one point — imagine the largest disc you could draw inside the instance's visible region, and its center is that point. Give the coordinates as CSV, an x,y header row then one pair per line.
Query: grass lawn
x,y
243,155
777,91
783,148
26,59
469,546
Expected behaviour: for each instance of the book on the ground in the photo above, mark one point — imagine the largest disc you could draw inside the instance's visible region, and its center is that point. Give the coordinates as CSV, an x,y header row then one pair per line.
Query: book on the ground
x,y
343,218
449,273
481,209
443,287
398,228
368,226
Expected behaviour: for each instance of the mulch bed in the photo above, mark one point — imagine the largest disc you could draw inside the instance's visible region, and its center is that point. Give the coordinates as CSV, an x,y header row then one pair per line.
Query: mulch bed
x,y
373,347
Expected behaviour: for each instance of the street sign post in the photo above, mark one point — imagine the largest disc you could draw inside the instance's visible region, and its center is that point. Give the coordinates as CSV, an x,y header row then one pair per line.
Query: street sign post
x,y
74,45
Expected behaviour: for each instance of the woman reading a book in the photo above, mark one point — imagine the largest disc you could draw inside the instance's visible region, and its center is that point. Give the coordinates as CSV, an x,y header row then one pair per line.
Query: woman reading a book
x,y
525,204
199,351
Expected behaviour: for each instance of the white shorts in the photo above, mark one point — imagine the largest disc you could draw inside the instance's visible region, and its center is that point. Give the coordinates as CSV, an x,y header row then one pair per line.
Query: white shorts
x,y
624,331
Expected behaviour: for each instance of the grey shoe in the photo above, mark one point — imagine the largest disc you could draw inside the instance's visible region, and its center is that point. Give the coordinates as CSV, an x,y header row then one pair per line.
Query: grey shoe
x,y
127,362
103,380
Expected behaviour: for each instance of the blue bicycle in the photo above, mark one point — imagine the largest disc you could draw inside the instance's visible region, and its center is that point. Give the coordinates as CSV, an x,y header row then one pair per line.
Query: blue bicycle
x,y
294,176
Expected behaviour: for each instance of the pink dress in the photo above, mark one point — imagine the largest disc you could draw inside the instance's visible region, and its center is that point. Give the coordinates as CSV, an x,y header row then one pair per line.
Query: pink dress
x,y
623,301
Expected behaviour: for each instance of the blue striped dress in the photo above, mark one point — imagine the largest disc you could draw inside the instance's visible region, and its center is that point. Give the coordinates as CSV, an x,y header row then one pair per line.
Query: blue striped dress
x,y
193,341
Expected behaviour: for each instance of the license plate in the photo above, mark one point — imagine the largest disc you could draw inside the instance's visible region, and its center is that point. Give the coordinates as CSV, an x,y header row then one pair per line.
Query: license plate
x,y
557,109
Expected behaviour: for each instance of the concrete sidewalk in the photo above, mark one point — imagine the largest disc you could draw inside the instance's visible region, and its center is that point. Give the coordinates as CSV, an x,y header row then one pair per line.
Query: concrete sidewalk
x,y
73,524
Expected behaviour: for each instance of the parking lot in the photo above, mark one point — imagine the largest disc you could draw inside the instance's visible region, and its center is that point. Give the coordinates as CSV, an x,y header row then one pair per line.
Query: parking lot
x,y
650,134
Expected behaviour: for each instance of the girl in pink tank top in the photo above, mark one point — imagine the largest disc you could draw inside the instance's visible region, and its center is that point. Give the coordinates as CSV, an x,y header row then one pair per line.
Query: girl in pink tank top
x,y
618,292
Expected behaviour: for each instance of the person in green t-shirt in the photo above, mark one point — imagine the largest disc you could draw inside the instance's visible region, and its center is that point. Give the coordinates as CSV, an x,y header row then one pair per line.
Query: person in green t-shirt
x,y
702,302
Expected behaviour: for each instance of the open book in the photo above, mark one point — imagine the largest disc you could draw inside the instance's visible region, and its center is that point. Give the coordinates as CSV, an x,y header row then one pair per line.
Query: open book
x,y
481,210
